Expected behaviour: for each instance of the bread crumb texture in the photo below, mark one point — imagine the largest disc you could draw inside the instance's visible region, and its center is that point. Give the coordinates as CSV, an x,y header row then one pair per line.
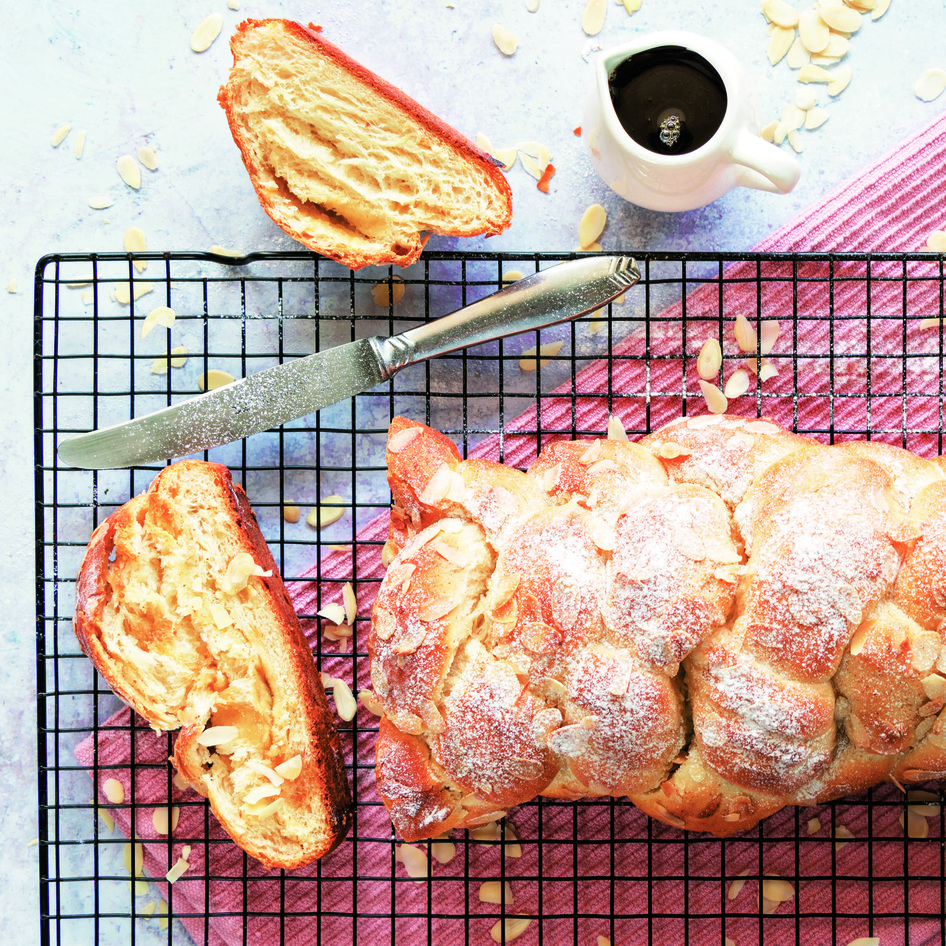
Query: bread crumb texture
x,y
717,621
181,608
345,162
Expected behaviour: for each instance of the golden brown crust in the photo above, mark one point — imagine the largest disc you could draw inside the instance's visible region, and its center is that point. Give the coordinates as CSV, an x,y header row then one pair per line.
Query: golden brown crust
x,y
155,594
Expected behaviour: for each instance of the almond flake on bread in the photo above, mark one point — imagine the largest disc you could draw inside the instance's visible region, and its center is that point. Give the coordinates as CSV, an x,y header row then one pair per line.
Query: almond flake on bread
x,y
244,692
345,162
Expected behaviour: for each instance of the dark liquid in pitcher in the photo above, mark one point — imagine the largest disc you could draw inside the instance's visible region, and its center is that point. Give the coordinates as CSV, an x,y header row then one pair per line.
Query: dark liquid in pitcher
x,y
669,91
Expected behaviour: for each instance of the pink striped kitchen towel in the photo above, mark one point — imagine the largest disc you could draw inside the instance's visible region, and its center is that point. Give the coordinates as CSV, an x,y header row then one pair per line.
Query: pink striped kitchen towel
x,y
628,879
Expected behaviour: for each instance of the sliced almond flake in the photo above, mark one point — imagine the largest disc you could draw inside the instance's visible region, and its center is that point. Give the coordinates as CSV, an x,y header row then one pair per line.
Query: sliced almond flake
x,y
596,325
767,133
388,293
504,931
915,825
506,157
483,143
213,379
257,794
812,73
767,371
780,42
435,608
778,136
326,513
332,612
263,810
134,242
350,602
134,853
397,442
593,248
935,687
100,202
715,399
442,849
415,861
840,18
745,335
488,832
930,85
506,41
163,914
290,513
845,834
795,141
865,941
149,908
207,31
59,135
531,165
147,157
233,4
592,20
129,171
880,9
838,47
494,891
769,906
840,79
793,117
448,552
735,888
113,790
616,429
545,352
345,702
370,702
780,13
437,486
769,332
107,819
925,811
221,616
291,769
162,315
87,297
537,150
816,117
592,225
632,6
729,941
80,143
936,241
709,360
806,99
813,31
217,735
774,888
532,5
219,250
737,385
814,825
267,771
125,293
797,56
511,845
604,941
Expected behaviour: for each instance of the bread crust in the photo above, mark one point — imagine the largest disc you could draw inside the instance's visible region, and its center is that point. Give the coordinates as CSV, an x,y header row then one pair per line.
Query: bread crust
x,y
112,629
402,254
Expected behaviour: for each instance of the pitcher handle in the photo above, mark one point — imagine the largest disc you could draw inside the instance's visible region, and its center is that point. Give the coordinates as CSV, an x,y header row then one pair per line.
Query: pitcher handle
x,y
765,166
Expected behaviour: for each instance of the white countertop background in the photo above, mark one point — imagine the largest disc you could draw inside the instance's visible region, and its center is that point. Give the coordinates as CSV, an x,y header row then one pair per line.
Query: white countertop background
x,y
125,72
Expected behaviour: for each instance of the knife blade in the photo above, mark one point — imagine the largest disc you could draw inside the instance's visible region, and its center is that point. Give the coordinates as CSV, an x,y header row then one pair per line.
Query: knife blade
x,y
285,392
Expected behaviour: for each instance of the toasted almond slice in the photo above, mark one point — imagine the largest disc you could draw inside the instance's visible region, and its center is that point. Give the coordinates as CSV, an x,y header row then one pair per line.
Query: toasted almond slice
x,y
780,13
735,888
767,133
795,141
592,20
545,352
134,857
840,79
415,861
345,702
592,225
812,73
351,603
767,371
388,293
325,514
106,817
815,118
797,56
267,771
100,202
537,150
217,735
780,42
915,826
715,399
129,171
506,41
291,769
930,85
147,157
596,325
806,99
814,825
505,931
768,335
483,143
616,429
161,315
402,438
59,135
175,873
737,385
840,18
492,891
213,379
80,143
845,834
125,293
291,514
512,275
531,165
332,612
442,849
593,248
207,31
925,811
865,941
774,888
745,335
256,795
778,135
511,845
879,9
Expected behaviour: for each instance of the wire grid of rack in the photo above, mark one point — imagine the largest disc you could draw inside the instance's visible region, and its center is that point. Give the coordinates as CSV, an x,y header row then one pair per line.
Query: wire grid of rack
x,y
853,362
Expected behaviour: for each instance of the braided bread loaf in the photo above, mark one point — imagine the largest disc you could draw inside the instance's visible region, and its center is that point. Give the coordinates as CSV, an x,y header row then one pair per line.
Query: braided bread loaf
x,y
718,621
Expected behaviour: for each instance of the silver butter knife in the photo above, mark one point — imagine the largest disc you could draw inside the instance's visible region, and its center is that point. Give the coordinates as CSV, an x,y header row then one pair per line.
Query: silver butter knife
x,y
280,394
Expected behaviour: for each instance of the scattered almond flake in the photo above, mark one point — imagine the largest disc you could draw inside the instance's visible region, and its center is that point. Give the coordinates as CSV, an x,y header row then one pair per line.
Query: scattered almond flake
x,y
780,13
814,825
332,612
113,790
345,703
217,735
735,888
795,141
919,795
134,242
59,135
162,315
87,296
797,56
267,771
930,85
793,117
737,385
233,4
506,156
812,73
840,18
487,832
221,616
865,941
415,861
813,31
257,794
604,941
494,891
774,888
936,241
218,250
592,20
147,157
511,845
767,133
388,293
11,286
33,843
511,275
709,360
545,352
370,702
531,165
815,118
163,914
240,569
532,6
596,325
767,371
632,6
180,782
592,225
745,335
730,941
806,99
136,852
175,873
592,248
506,41
769,332
159,366
107,819
880,9
350,601
100,202
915,826
504,931
213,379
266,810
325,514
838,47
129,171
79,143
841,78
925,811
149,908
483,143
616,429
397,442
206,33
769,906
291,769
780,42
715,399
124,293
442,849
844,833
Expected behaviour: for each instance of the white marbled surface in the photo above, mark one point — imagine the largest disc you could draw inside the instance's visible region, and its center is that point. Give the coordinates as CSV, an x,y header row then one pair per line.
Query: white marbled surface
x,y
125,72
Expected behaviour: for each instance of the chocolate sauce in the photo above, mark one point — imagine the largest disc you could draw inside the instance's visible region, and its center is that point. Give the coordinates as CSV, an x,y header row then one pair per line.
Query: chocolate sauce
x,y
669,99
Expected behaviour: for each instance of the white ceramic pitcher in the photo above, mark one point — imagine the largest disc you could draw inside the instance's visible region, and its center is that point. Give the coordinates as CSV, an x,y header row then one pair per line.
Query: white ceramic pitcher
x,y
735,156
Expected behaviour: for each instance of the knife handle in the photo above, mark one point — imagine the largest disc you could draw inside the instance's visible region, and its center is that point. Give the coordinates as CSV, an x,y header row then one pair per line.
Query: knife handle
x,y
554,295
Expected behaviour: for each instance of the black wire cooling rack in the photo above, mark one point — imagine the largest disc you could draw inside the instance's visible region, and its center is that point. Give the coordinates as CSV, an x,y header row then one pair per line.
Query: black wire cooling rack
x,y
860,354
